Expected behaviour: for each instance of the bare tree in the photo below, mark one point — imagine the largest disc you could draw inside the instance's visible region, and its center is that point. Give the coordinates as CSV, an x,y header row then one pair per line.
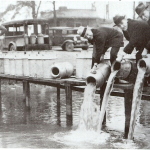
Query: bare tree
x,y
30,4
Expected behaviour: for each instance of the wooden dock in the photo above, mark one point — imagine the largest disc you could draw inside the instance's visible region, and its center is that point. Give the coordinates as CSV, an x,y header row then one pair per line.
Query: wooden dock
x,y
69,85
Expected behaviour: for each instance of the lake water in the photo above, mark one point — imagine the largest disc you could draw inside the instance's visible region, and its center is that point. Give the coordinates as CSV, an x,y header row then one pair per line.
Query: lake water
x,y
38,128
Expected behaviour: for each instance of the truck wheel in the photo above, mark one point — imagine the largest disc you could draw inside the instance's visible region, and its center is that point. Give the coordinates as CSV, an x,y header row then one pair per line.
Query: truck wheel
x,y
12,48
69,47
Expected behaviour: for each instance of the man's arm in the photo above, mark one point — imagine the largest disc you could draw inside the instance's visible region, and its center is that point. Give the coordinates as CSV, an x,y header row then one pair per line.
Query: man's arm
x,y
128,48
99,51
126,35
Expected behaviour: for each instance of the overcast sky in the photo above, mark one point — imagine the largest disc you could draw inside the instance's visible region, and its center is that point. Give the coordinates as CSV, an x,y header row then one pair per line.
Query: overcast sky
x,y
122,7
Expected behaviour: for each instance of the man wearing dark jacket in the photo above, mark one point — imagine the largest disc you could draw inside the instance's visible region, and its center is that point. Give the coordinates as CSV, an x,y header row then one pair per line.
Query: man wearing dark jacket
x,y
102,38
138,34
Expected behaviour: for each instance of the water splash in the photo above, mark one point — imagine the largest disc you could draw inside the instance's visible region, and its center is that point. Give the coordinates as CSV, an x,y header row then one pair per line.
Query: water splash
x,y
80,137
125,144
88,127
137,94
106,96
89,114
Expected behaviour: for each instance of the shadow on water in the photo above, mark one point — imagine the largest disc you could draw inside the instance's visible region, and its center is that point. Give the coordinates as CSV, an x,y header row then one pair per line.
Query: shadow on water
x,y
21,128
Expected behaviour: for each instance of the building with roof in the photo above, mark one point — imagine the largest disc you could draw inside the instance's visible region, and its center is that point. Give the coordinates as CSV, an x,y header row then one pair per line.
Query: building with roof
x,y
74,17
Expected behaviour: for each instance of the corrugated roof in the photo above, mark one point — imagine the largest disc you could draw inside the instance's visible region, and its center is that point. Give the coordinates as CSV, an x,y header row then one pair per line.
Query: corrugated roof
x,y
72,13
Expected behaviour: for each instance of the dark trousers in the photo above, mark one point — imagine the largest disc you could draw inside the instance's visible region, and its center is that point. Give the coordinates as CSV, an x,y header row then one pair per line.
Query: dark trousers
x,y
128,106
113,54
138,56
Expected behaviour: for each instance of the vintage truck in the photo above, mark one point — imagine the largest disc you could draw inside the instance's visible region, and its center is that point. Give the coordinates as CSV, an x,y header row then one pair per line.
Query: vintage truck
x,y
28,34
67,38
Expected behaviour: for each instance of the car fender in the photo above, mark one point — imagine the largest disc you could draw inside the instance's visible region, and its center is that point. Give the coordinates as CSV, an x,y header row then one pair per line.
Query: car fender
x,y
63,45
10,43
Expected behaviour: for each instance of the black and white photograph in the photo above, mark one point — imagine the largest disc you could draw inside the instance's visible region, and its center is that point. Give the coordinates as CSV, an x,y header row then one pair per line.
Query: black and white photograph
x,y
75,74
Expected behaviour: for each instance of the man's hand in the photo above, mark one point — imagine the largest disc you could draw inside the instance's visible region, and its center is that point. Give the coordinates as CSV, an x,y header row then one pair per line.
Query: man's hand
x,y
93,70
102,58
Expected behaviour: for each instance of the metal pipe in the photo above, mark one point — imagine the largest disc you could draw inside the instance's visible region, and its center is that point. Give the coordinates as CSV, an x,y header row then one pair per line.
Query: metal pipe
x,y
124,69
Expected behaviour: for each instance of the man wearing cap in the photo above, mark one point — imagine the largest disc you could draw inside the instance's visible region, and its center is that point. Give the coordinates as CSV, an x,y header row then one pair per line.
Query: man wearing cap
x,y
102,38
136,32
143,12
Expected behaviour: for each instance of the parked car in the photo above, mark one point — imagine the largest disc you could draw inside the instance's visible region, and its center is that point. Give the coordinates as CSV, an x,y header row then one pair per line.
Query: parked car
x,y
29,34
67,38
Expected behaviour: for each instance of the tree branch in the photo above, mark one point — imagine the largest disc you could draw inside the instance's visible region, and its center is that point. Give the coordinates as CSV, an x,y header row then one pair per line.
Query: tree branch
x,y
38,9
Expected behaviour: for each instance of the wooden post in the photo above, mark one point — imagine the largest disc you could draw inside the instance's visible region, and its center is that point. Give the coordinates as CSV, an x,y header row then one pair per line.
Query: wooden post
x,y
58,104
26,92
0,99
24,89
128,94
68,91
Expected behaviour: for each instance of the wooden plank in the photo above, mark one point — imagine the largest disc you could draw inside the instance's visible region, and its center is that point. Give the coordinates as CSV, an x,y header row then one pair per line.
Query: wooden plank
x,y
58,104
72,81
128,94
68,105
26,93
24,88
124,86
77,84
0,100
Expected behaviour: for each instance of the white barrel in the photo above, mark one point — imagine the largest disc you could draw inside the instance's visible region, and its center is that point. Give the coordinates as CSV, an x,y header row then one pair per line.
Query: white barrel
x,y
6,64
26,64
123,67
49,59
61,70
83,65
32,64
26,38
12,63
32,38
145,62
1,63
102,73
40,38
19,64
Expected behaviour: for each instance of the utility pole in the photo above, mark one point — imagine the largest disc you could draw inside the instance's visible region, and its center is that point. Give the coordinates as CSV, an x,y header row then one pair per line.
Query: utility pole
x,y
133,9
54,11
107,11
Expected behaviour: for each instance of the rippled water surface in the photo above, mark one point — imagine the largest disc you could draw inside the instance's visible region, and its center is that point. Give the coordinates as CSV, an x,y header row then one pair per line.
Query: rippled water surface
x,y
38,128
